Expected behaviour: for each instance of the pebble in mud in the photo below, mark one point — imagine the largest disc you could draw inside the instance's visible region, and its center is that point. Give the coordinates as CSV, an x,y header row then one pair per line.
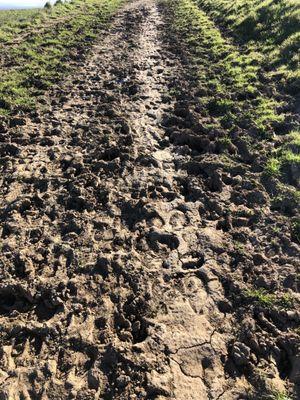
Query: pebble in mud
x,y
240,354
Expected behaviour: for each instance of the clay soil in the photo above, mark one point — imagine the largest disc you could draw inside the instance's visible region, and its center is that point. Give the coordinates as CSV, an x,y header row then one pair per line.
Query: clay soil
x,y
129,250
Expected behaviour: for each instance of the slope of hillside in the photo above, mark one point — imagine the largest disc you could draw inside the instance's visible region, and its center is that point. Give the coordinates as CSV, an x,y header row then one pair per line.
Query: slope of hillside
x,y
270,27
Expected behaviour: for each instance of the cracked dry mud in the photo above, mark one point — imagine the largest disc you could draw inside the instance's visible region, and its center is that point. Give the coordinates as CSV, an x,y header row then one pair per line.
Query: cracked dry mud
x,y
119,275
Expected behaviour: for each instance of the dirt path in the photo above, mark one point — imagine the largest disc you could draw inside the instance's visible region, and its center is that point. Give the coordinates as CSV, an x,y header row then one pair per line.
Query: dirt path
x,y
112,271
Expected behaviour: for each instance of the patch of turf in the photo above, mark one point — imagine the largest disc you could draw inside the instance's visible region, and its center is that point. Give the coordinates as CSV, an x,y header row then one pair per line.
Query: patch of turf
x,y
286,159
228,76
271,27
38,47
267,299
296,230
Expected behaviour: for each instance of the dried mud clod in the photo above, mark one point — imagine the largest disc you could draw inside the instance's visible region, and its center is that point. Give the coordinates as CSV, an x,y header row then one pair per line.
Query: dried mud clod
x,y
141,256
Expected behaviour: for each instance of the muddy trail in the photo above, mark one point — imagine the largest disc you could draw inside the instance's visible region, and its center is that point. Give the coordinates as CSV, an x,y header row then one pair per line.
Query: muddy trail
x,y
128,248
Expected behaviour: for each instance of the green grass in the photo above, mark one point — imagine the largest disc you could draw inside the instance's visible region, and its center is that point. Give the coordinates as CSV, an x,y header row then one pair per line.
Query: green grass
x,y
280,396
286,158
227,76
296,230
255,19
271,27
243,71
272,167
16,17
39,45
267,299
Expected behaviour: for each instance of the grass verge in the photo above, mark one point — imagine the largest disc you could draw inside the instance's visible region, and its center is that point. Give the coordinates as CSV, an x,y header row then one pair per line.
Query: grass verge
x,y
271,27
38,47
231,91
238,88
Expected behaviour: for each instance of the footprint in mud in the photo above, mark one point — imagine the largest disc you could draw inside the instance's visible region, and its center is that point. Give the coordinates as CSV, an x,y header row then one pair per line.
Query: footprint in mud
x,y
178,219
157,238
15,298
195,261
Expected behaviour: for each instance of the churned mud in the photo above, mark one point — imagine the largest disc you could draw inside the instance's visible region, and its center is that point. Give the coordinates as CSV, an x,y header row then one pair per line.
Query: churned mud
x,y
129,246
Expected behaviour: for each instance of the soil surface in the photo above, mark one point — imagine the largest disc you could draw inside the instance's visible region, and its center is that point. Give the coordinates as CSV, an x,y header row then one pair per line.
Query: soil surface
x,y
128,246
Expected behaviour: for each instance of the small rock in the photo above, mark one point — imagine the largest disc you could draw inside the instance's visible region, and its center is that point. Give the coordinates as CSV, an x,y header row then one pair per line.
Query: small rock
x,y
17,122
93,378
224,306
241,354
3,127
259,258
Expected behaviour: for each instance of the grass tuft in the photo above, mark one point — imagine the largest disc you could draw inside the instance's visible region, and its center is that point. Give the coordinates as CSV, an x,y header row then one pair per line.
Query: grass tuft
x,y
267,299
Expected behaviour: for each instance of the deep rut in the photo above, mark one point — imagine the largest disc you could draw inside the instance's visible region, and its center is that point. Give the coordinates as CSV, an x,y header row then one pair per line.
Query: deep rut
x,y
111,281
